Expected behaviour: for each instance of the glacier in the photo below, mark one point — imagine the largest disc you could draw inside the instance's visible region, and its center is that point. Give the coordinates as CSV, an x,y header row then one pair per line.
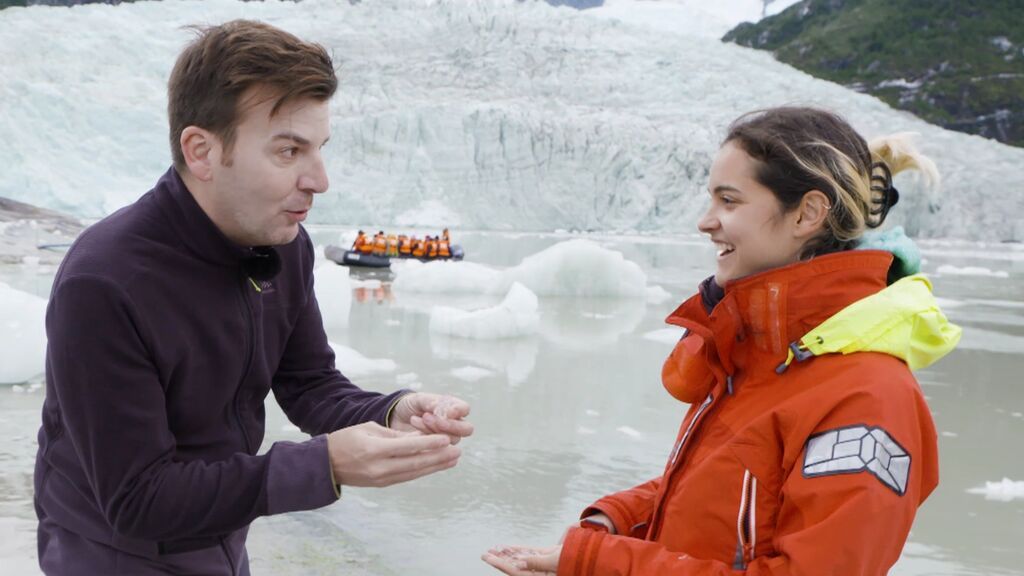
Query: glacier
x,y
495,115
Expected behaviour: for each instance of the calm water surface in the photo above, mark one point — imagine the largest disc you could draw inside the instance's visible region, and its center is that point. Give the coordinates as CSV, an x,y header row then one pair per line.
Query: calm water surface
x,y
578,411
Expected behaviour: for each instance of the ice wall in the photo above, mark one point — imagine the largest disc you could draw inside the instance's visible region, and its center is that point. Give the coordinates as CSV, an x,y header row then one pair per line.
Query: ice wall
x,y
494,115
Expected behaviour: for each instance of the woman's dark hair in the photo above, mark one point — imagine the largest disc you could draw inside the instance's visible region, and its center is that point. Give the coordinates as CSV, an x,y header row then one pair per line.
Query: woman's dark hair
x,y
802,149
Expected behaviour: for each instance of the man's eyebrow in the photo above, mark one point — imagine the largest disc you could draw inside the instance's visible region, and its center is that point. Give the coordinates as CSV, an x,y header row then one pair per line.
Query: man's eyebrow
x,y
291,136
296,138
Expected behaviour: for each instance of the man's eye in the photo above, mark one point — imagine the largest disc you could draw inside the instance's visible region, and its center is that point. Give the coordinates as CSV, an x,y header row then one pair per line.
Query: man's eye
x,y
289,152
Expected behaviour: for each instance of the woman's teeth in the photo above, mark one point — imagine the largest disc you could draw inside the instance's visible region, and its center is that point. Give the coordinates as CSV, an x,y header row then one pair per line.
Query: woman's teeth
x,y
724,248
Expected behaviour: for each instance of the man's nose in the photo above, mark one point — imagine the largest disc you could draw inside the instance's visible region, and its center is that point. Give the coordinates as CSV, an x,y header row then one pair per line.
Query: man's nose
x,y
315,177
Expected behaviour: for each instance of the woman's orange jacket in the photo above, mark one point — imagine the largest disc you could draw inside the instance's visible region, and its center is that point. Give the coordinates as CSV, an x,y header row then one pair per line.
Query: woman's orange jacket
x,y
815,470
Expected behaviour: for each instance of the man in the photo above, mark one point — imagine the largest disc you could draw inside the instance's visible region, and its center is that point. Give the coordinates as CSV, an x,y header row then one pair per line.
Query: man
x,y
171,320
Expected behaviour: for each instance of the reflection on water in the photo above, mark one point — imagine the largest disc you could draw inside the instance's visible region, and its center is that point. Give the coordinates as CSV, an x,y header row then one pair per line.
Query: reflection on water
x,y
556,421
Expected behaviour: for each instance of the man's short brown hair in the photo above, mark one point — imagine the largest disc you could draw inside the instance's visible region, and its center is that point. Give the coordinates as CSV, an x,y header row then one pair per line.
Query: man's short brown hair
x,y
225,61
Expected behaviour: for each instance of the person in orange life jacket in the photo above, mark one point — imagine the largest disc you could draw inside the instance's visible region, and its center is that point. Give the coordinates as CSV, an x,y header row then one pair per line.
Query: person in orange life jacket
x,y
793,458
359,242
432,247
445,236
172,320
392,245
404,245
443,250
419,247
380,244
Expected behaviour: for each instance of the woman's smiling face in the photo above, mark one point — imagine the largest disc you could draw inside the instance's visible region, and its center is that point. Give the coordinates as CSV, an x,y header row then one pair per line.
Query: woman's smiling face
x,y
745,220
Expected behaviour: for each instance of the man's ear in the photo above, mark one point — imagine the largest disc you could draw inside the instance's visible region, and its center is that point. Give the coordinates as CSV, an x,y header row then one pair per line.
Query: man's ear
x,y
201,150
811,214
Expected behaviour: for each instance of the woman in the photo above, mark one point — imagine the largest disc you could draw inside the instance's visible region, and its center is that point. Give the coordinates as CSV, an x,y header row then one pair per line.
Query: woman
x,y
808,446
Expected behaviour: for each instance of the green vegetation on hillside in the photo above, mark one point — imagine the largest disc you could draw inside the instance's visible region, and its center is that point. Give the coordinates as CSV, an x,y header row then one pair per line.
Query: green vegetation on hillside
x,y
956,63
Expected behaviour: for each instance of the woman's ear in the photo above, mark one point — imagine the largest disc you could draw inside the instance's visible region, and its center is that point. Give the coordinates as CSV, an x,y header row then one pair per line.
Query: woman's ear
x,y
812,214
198,146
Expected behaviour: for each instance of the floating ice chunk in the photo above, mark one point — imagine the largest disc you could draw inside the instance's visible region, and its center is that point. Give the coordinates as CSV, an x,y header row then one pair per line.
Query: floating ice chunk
x,y
657,295
333,293
22,335
579,268
515,316
585,431
571,268
471,373
446,277
393,322
665,335
592,413
971,271
347,238
1003,491
631,432
17,388
354,364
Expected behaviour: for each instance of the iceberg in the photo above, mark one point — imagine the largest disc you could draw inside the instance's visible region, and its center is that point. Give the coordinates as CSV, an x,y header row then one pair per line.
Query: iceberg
x,y
515,316
578,267
22,335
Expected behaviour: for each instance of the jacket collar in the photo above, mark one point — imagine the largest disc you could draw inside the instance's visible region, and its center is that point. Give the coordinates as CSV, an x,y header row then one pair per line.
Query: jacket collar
x,y
760,315
192,225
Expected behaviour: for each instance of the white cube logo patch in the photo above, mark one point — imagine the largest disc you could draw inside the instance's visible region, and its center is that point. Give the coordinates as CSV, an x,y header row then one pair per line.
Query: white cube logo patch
x,y
857,449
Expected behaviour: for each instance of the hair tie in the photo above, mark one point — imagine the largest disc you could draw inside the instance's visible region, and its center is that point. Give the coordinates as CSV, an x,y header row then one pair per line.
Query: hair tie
x,y
883,194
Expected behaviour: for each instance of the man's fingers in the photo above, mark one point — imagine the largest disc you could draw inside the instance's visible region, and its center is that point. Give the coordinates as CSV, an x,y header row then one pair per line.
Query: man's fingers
x,y
448,426
411,444
413,472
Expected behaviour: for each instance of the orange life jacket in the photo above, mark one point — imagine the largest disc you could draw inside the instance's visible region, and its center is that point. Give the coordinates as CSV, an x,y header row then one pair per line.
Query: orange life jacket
x,y
431,248
442,249
419,248
404,245
380,244
756,482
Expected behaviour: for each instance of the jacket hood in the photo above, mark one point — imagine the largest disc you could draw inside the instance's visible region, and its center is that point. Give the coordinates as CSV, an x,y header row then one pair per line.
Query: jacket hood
x,y
902,320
